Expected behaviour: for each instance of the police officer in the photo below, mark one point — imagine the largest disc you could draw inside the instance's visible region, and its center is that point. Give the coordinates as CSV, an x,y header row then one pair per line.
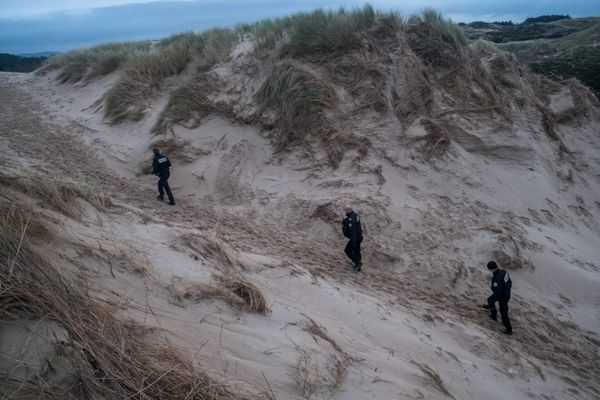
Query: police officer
x,y
501,286
160,167
353,231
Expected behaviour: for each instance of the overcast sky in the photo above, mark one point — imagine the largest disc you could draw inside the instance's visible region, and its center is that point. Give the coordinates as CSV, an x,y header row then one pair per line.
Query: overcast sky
x,y
28,26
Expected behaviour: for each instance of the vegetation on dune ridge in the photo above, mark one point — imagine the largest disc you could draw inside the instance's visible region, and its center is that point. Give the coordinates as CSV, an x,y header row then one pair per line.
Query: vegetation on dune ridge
x,y
556,46
299,100
87,64
144,72
313,67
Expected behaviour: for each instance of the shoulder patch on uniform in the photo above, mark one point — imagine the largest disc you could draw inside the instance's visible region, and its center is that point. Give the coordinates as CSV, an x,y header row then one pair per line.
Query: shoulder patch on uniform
x,y
506,277
357,218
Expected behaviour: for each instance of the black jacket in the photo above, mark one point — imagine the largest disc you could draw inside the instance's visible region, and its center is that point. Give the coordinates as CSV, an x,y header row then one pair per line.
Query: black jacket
x,y
351,226
160,164
501,285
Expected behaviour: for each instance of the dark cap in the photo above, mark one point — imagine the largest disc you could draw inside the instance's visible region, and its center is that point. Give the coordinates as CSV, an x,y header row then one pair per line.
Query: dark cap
x,y
492,265
155,150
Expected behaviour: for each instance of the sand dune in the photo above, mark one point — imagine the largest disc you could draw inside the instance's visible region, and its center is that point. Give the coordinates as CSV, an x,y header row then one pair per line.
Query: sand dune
x,y
439,195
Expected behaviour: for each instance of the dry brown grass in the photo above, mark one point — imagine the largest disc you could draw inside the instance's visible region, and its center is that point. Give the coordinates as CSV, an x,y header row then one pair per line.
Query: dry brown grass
x,y
201,291
236,291
337,365
250,295
313,377
434,377
209,245
58,194
437,139
109,358
318,331
189,104
307,375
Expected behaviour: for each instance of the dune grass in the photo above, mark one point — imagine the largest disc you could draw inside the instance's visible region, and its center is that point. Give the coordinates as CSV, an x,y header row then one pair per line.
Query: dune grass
x,y
144,66
87,64
58,194
299,100
437,40
107,357
322,31
144,72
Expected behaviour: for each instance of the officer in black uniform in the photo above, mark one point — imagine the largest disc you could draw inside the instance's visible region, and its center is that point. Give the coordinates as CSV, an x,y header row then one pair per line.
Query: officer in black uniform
x,y
353,231
501,286
160,167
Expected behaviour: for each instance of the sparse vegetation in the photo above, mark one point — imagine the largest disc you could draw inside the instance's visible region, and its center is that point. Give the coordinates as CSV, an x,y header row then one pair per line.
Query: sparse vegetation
x,y
556,46
56,193
434,377
307,376
188,102
107,358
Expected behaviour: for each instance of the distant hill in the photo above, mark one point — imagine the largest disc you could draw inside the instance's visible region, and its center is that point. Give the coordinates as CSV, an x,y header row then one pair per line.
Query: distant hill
x,y
553,45
39,54
12,63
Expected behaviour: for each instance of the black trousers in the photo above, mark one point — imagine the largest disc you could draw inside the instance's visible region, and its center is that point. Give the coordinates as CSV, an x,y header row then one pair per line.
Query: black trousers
x,y
163,185
503,311
352,250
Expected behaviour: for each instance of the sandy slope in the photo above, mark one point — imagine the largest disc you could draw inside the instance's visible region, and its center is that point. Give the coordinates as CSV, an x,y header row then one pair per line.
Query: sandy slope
x,y
431,226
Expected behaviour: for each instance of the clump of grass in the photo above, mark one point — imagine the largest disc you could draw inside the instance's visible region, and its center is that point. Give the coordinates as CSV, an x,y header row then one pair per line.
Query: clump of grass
x,y
200,291
307,376
250,295
57,193
438,41
299,100
321,32
189,102
108,358
313,377
144,73
326,32
266,33
211,246
85,65
234,290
